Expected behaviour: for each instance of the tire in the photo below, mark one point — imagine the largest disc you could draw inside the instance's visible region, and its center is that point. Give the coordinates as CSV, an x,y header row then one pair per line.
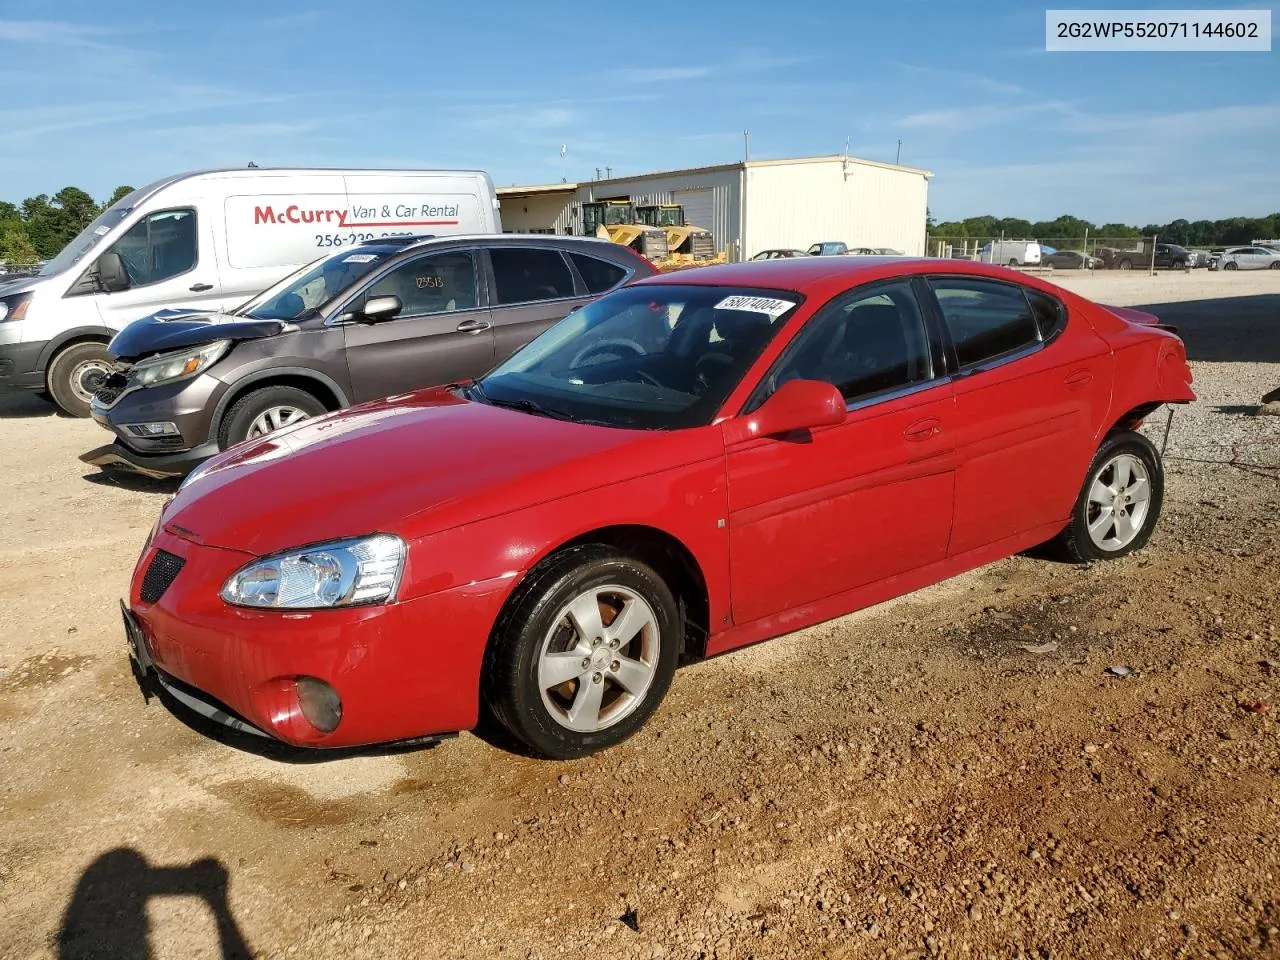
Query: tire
x,y
1231,266
1013,263
1139,456
75,373
279,405
1180,265
537,640
1275,265
1126,264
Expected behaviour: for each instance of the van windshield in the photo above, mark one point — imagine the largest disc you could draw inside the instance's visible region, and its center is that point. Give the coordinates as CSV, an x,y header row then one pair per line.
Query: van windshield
x,y
91,236
311,287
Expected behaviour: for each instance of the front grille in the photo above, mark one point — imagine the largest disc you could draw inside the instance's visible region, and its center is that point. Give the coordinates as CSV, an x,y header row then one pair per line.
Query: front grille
x,y
161,572
112,386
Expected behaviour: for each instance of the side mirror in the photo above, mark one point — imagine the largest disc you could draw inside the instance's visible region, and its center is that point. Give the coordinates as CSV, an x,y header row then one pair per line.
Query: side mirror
x,y
111,273
796,405
377,309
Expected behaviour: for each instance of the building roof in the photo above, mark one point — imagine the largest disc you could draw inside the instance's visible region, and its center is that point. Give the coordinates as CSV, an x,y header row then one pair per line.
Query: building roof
x,y
716,168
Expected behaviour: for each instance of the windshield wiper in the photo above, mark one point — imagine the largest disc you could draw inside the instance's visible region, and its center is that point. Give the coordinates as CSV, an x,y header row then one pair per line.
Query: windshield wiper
x,y
474,391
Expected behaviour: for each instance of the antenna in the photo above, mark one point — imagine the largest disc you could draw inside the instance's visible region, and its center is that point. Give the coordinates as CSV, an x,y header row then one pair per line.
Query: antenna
x,y
608,173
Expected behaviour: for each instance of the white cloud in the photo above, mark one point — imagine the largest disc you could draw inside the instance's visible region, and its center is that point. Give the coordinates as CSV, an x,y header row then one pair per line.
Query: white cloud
x,y
47,32
660,74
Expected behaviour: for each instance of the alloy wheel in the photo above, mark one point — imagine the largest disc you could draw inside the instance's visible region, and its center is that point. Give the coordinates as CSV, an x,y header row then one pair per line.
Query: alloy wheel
x,y
273,419
1119,499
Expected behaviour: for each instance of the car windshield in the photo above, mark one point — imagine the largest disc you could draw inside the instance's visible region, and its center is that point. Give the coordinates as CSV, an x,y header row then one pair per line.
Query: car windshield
x,y
660,357
91,236
313,286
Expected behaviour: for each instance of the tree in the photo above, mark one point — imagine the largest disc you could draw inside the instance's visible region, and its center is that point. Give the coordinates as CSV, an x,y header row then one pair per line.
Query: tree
x,y
120,194
16,248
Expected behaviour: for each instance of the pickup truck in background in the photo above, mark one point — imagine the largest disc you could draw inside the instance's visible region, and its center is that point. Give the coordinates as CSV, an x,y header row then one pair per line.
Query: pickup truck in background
x,y
1168,256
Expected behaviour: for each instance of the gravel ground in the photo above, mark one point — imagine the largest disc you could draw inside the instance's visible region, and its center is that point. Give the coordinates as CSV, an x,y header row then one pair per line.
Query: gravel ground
x,y
907,781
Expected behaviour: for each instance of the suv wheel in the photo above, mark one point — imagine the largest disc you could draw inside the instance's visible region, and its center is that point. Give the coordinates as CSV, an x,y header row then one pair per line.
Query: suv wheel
x,y
75,373
265,411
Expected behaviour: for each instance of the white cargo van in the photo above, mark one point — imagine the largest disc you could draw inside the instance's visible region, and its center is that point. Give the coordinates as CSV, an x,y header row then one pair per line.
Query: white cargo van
x,y
1013,253
209,241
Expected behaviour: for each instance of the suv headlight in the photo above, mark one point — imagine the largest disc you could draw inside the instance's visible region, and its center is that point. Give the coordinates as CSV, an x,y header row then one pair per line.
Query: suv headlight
x,y
178,365
14,307
343,573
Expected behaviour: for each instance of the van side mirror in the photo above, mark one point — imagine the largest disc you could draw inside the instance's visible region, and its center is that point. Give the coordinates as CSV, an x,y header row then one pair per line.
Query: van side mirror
x,y
111,272
378,309
796,405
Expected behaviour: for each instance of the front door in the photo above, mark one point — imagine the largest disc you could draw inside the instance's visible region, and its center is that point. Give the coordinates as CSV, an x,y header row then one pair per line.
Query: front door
x,y
169,257
840,507
440,335
533,288
1031,392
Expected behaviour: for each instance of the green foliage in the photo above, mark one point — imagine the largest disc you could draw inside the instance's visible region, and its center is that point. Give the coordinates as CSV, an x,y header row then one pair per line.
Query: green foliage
x,y
1198,233
15,246
43,225
120,194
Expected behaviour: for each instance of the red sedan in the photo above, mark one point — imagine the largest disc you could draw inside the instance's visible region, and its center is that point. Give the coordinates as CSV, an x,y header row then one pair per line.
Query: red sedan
x,y
693,463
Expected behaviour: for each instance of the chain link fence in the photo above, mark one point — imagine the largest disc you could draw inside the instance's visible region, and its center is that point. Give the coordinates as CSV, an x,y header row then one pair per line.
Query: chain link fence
x,y
1069,253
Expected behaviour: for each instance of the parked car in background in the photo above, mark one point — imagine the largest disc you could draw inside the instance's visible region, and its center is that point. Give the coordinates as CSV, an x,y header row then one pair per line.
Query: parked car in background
x,y
383,317
873,252
693,463
828,248
209,241
1247,258
1069,260
1163,256
1012,253
1198,258
780,254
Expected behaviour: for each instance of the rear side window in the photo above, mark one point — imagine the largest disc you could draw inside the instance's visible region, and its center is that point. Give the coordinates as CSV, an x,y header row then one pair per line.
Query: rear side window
x,y
986,319
527,274
1050,314
598,275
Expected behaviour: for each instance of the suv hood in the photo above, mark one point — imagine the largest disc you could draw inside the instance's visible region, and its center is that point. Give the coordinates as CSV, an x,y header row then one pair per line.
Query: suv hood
x,y
412,465
170,329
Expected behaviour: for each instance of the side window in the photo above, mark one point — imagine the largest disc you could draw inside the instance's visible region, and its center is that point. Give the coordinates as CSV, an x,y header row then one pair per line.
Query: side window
x,y
598,275
437,283
864,343
159,246
986,319
526,274
1050,314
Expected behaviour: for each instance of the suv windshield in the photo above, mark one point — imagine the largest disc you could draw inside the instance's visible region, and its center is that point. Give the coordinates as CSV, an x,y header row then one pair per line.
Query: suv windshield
x,y
659,357
313,286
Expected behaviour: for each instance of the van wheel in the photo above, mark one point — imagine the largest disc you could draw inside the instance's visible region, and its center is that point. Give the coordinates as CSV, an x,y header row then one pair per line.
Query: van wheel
x,y
75,374
1013,262
265,411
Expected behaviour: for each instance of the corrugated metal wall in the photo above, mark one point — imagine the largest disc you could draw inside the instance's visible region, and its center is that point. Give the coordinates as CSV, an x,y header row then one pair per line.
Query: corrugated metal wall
x,y
865,205
723,185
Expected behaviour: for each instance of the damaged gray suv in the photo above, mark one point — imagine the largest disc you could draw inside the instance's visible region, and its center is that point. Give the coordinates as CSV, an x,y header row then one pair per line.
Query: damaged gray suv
x,y
379,318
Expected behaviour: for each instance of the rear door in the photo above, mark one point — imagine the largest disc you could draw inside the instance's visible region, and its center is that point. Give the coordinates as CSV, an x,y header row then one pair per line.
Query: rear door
x,y
1032,387
443,332
530,288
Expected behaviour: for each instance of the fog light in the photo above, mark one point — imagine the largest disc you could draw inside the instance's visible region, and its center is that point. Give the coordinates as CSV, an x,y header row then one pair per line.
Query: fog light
x,y
320,704
152,429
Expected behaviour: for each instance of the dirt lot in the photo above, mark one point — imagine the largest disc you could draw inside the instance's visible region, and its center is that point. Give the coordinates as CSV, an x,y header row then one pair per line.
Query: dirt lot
x,y
905,781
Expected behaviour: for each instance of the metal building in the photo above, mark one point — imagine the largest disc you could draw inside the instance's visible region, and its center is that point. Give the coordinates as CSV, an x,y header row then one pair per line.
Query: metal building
x,y
753,205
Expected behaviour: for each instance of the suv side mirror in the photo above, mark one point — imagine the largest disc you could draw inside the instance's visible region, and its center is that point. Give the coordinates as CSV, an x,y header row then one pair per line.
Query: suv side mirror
x,y
111,272
377,309
796,405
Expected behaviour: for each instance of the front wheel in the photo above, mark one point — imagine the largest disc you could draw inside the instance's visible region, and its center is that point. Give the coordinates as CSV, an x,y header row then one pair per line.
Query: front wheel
x,y
75,374
265,411
1120,502
1126,265
1230,266
583,654
1275,265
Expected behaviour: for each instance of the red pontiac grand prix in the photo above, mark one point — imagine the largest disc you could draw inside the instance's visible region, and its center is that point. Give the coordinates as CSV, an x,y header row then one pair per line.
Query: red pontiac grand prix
x,y
693,463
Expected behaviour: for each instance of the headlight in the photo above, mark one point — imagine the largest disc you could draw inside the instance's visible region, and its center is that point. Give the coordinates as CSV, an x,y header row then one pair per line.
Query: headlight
x,y
178,365
14,307
340,574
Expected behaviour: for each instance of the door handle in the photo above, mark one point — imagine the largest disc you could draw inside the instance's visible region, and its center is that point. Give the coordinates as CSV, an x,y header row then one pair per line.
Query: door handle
x,y
473,326
923,429
1078,379
201,287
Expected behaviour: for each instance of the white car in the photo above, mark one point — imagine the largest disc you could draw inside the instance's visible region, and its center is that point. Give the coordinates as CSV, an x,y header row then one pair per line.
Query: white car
x,y
1246,258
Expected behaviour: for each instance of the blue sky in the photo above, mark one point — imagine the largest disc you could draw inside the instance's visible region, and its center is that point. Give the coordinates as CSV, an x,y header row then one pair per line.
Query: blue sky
x,y
98,94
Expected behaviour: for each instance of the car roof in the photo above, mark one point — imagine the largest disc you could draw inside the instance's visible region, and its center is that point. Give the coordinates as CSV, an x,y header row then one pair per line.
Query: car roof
x,y
594,245
820,276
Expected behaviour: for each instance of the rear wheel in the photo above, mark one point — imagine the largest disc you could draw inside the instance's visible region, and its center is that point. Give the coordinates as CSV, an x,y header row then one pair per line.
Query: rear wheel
x,y
1126,264
1013,262
1120,502
584,653
265,411
75,374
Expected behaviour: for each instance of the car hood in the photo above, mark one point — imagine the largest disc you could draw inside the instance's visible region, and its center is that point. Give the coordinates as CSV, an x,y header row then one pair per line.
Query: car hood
x,y
413,465
20,284
171,329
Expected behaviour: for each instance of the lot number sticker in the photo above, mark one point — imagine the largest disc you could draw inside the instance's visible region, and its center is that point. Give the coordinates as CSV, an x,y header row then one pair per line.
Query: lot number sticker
x,y
774,308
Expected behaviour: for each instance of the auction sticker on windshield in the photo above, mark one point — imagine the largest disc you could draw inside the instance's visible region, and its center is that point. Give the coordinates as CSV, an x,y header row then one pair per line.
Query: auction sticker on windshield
x,y
772,306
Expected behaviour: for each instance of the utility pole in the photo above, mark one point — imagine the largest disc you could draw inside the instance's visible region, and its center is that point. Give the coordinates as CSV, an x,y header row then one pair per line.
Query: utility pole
x,y
898,158
746,145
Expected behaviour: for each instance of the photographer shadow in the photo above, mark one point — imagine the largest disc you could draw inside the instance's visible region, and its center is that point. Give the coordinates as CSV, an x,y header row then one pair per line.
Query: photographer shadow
x,y
107,915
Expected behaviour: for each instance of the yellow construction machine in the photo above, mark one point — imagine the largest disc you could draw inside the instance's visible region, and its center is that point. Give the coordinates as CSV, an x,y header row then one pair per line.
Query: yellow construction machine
x,y
616,220
687,244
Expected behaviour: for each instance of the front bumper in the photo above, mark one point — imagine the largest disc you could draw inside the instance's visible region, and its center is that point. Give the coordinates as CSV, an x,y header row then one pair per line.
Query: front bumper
x,y
20,366
161,466
188,404
404,670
